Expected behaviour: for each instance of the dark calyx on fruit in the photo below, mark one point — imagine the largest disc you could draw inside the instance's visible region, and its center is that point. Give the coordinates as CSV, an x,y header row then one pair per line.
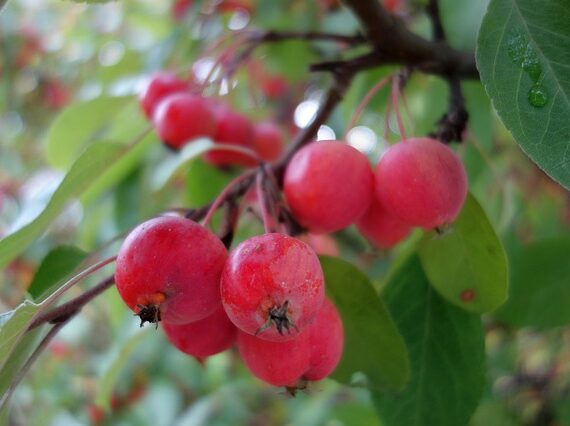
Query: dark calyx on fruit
x,y
149,313
278,316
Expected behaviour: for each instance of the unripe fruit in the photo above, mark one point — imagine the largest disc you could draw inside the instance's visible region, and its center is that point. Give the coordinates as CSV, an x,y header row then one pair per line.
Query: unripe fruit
x,y
273,286
181,117
203,338
232,128
169,268
328,185
326,342
267,141
277,363
382,228
160,86
422,182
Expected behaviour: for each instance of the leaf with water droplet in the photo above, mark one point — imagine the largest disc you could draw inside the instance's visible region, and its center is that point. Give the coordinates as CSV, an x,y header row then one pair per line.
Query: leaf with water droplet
x,y
537,96
523,61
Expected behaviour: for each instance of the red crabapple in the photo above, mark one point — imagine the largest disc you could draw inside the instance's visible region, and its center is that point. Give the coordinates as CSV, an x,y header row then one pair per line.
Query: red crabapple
x,y
169,269
277,363
267,141
274,86
328,185
181,117
381,228
272,286
205,337
159,86
422,182
179,9
232,128
326,341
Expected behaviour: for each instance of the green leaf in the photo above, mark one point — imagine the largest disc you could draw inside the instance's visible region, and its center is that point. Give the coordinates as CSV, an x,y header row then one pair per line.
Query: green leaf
x,y
78,125
447,354
372,344
204,182
93,162
13,327
57,264
109,378
539,294
172,165
523,60
467,265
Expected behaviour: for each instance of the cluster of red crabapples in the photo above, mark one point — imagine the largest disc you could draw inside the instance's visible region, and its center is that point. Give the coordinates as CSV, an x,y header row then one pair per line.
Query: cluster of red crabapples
x,y
267,295
418,182
179,116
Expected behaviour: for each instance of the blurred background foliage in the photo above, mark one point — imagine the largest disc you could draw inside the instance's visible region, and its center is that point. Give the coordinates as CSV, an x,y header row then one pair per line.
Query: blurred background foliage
x,y
71,70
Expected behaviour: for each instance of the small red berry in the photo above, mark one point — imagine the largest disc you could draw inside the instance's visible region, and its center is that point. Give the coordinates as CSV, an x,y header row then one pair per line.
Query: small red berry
x,y
268,141
181,117
328,185
232,128
159,86
272,286
169,268
326,341
277,363
203,338
180,9
380,227
274,86
422,182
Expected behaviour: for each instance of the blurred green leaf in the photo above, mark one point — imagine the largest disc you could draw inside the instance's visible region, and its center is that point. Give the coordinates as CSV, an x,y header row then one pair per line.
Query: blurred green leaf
x,y
93,162
111,374
539,294
372,344
78,125
447,354
57,264
128,204
204,182
461,21
166,171
522,55
492,413
467,265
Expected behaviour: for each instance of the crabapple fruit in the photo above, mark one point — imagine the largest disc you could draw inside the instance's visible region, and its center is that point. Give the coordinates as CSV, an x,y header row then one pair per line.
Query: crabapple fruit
x,y
380,227
181,117
169,269
267,141
272,286
328,185
422,182
203,338
326,341
277,363
232,128
159,86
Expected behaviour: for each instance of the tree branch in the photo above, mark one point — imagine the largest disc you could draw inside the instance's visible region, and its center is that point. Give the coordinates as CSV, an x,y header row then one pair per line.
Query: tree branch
x,y
69,309
432,9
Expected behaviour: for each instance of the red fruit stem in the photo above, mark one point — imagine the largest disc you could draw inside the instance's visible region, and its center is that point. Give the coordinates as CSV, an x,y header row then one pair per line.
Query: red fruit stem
x,y
235,183
365,101
263,202
396,103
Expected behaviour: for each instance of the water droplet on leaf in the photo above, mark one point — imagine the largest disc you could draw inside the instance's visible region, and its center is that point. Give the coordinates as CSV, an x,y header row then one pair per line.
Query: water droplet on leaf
x,y
516,47
531,63
537,96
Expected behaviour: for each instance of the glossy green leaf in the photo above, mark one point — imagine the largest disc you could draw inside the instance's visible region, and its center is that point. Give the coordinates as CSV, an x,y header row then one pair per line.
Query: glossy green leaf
x,y
78,125
447,354
372,344
539,293
524,62
93,162
57,264
467,265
